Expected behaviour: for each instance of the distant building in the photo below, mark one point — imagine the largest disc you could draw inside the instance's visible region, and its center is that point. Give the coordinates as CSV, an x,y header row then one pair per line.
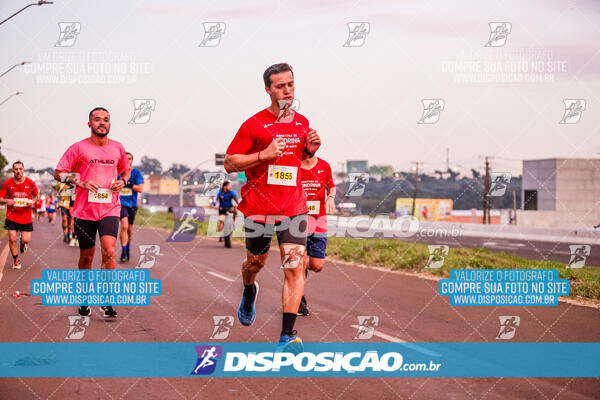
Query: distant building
x,y
386,171
155,184
360,166
560,192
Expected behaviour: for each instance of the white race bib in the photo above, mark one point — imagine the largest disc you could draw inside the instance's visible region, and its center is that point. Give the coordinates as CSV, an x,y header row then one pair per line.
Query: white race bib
x,y
21,202
126,192
282,175
314,207
101,196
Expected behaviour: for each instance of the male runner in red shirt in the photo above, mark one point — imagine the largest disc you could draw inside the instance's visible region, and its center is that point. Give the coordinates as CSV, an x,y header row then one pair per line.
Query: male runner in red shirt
x,y
18,193
98,160
317,182
270,147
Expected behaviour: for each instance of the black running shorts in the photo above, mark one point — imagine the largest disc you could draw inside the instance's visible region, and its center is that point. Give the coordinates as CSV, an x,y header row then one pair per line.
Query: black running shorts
x,y
86,230
129,213
15,226
259,234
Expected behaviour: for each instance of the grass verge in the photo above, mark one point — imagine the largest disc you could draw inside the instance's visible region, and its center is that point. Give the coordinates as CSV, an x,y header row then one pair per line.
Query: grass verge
x,y
412,257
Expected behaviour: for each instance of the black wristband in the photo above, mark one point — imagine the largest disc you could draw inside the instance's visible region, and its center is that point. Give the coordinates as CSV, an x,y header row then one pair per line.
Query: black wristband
x,y
307,153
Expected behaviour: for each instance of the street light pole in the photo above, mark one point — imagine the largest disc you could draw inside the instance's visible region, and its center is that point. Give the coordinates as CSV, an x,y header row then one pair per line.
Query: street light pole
x,y
39,3
12,95
14,66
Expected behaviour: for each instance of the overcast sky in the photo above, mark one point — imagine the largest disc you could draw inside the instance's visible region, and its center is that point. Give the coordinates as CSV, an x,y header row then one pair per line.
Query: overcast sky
x,y
365,101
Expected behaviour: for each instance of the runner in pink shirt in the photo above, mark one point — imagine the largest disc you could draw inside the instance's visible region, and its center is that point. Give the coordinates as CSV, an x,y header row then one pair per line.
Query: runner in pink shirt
x,y
98,161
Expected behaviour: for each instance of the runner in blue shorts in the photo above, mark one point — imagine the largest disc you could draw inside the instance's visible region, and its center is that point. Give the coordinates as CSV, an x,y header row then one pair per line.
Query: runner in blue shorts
x,y
317,182
129,206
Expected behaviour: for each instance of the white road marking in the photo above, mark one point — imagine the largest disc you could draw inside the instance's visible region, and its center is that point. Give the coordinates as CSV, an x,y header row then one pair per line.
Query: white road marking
x,y
394,339
385,336
221,276
504,245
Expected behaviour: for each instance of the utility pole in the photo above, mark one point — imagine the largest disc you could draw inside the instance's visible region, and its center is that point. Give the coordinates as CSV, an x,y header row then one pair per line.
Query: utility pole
x,y
343,191
416,168
514,221
486,190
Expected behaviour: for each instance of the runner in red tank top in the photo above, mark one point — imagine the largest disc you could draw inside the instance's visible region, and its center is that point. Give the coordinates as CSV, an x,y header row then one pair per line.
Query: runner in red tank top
x,y
269,147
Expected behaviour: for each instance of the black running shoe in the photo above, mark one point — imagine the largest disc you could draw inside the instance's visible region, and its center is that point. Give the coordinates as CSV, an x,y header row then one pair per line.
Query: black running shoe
x,y
123,257
303,309
108,311
84,311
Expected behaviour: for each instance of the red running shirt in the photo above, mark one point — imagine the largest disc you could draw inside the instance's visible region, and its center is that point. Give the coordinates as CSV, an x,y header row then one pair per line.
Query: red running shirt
x,y
274,187
21,211
316,183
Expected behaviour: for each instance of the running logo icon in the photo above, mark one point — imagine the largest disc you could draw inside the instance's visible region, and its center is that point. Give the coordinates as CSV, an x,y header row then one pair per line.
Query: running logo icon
x,y
293,257
185,229
287,109
499,183
77,325
68,34
508,327
498,34
432,108
142,109
573,110
437,254
579,253
357,183
357,34
366,326
213,31
207,359
148,254
223,324
212,183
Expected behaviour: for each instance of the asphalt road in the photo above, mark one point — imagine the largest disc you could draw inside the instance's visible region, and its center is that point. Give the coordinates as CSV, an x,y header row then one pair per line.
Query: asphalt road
x,y
531,249
201,279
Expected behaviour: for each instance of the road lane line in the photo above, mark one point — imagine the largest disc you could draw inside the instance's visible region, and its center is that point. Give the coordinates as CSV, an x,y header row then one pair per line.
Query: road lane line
x,y
221,276
382,335
394,339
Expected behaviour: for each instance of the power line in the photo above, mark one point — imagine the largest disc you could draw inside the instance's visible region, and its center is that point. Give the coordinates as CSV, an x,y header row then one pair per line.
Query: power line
x,y
29,154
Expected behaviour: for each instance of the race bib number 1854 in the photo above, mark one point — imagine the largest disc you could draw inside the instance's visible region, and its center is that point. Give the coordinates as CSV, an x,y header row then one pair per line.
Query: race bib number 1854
x,y
101,196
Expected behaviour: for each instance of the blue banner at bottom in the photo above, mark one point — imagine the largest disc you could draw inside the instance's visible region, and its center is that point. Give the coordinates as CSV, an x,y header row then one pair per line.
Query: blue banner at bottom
x,y
368,359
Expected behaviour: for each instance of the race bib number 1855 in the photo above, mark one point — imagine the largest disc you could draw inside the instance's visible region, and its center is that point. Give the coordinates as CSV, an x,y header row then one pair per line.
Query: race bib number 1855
x,y
282,175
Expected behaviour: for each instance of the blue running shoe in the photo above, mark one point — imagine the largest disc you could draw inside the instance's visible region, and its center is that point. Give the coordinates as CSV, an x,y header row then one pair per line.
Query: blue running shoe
x,y
247,310
290,343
